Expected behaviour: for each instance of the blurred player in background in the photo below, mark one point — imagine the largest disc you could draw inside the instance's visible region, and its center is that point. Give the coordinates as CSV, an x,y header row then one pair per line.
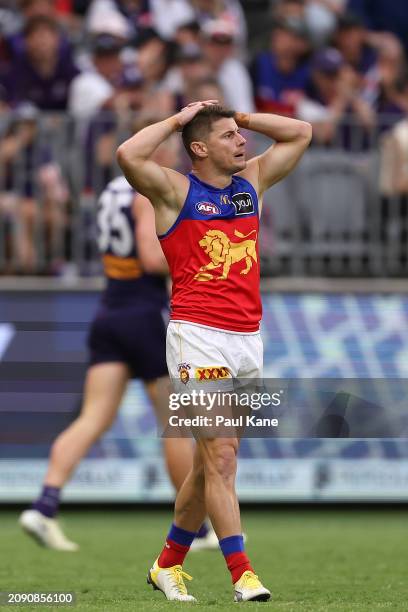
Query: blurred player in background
x,y
126,340
209,225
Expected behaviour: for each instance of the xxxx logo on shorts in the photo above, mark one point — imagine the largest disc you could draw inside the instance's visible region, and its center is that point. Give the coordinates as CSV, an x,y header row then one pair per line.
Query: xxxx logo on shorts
x,y
212,373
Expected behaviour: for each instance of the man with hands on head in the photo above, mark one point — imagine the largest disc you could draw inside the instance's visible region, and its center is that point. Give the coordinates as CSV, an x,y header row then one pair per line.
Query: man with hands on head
x,y
208,225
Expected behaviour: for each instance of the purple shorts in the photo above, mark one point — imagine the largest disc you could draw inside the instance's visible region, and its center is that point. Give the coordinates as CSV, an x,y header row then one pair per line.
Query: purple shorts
x,y
134,335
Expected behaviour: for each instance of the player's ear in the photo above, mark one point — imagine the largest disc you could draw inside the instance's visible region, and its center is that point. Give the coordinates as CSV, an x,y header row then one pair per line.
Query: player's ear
x,y
199,148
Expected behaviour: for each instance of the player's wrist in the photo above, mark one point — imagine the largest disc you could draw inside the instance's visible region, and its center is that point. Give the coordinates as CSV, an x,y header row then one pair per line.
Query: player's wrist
x,y
175,123
243,119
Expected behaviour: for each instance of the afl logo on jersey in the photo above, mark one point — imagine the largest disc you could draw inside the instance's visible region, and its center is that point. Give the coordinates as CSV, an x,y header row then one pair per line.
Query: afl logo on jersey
x,y
207,208
243,204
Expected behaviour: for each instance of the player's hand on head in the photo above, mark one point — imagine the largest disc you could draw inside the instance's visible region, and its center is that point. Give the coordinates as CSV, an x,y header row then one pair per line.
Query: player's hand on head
x,y
189,112
203,103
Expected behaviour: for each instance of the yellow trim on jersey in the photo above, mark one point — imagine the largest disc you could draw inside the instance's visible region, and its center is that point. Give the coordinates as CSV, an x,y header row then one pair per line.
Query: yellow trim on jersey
x,y
122,268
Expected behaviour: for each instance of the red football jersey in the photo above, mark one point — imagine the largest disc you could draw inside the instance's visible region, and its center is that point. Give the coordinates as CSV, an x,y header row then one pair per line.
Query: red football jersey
x,y
212,252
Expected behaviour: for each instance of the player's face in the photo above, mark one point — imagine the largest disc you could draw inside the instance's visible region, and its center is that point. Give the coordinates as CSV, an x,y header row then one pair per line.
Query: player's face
x,y
226,146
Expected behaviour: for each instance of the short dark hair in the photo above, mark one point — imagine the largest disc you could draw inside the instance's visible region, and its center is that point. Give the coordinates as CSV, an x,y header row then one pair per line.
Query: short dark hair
x,y
200,126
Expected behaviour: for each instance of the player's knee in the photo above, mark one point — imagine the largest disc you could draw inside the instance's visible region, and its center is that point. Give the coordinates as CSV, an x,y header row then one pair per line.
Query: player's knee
x,y
95,425
222,460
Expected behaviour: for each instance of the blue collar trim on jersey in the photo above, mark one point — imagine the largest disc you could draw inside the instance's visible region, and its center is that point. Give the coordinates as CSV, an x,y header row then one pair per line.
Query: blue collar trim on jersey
x,y
194,177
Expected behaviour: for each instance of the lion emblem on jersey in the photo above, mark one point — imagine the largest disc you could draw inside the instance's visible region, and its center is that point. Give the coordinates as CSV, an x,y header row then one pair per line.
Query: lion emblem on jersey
x,y
223,252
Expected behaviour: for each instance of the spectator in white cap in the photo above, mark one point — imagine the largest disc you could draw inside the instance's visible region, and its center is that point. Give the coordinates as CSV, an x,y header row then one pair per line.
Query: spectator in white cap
x,y
92,89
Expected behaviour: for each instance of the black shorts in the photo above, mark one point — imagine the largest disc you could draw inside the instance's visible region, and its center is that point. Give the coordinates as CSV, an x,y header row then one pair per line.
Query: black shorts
x,y
134,335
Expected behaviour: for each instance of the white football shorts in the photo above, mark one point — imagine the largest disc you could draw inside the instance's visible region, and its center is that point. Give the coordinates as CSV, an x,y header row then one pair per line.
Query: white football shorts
x,y
207,358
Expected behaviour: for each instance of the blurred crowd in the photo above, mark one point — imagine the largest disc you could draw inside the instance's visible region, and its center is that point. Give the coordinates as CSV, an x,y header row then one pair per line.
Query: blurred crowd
x,y
339,64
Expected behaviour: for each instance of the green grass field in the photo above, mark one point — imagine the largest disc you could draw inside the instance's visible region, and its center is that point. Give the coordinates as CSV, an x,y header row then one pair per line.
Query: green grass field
x,y
313,560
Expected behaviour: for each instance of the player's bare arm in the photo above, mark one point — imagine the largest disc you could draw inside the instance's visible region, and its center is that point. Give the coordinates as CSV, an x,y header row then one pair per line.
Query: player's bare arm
x,y
292,137
163,186
148,245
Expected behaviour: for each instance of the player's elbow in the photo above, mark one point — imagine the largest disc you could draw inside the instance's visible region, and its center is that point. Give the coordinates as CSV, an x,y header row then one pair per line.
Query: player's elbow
x,y
127,158
305,131
122,156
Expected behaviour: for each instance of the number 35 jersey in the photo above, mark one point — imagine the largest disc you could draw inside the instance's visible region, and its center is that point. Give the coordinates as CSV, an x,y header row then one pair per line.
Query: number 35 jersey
x,y
126,281
212,252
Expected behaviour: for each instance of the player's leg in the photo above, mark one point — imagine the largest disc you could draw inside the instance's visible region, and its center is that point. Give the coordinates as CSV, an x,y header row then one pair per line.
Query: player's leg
x,y
167,574
209,487
189,508
166,571
213,483
178,455
104,387
149,363
219,456
247,586
178,452
219,459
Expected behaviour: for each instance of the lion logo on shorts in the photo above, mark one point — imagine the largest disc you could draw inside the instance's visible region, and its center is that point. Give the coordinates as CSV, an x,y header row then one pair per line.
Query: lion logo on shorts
x,y
223,253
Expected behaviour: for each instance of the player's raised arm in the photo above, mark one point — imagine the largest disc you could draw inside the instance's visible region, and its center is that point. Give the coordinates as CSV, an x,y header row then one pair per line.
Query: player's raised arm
x,y
292,137
163,186
148,245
